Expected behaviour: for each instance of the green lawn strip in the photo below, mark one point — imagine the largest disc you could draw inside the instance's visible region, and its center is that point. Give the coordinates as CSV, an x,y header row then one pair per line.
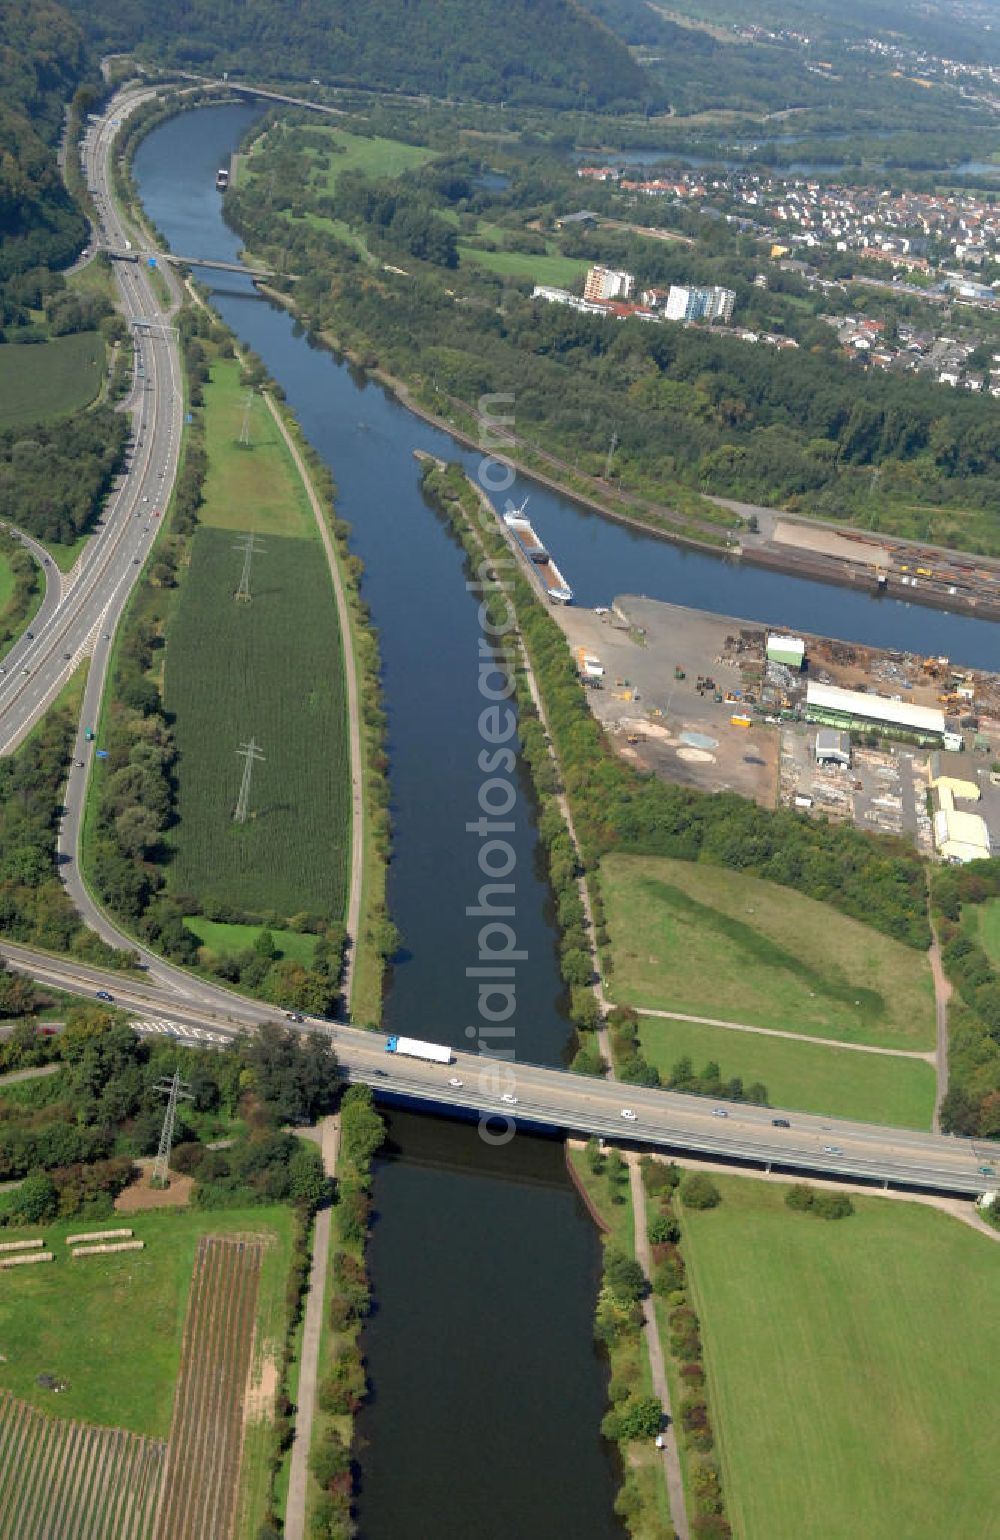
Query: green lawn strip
x,y
93,1320
707,941
629,1360
809,1077
6,584
70,698
986,919
271,670
558,271
300,946
850,1365
284,1471
40,381
254,488
253,1502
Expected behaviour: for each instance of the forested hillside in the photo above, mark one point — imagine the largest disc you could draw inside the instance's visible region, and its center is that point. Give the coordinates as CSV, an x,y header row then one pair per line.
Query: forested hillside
x,y
41,62
543,51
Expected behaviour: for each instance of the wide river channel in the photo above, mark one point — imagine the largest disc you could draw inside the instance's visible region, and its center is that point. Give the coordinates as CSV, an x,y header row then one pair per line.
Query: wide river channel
x,y
487,1392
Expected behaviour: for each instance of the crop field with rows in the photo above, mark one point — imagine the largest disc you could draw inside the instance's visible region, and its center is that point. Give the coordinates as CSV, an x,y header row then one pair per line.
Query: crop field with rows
x,y
206,1437
271,670
73,1481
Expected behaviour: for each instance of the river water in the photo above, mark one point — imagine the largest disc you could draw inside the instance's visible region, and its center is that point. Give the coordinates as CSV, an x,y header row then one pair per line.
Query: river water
x,y
487,1395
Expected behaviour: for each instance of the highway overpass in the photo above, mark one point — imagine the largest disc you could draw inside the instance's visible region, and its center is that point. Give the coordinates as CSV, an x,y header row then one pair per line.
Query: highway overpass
x,y
556,1099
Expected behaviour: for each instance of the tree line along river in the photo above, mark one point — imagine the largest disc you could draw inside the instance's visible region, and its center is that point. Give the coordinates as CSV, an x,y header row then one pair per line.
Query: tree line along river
x,y
487,1393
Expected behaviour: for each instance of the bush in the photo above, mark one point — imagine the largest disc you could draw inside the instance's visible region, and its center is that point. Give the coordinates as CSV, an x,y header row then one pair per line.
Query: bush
x,y
641,1417
833,1205
826,1205
624,1277
659,1178
699,1192
663,1228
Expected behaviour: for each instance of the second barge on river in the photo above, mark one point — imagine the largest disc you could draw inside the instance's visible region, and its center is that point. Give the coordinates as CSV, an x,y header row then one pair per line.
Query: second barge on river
x,y
553,582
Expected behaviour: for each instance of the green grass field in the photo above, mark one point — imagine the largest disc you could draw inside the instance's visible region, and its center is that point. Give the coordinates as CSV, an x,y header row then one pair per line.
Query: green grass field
x,y
249,490
986,918
852,1367
707,941
554,269
111,1325
271,670
809,1077
371,157
42,380
298,945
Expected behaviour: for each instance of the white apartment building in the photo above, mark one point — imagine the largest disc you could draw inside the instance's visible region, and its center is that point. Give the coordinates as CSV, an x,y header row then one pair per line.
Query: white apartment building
x,y
695,304
607,283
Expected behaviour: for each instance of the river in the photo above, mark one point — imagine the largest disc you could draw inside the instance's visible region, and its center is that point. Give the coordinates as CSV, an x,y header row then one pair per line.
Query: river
x,y
487,1394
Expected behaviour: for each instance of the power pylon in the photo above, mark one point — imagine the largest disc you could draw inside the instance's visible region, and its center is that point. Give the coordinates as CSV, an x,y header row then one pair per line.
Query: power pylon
x,y
250,548
173,1088
245,430
249,753
611,455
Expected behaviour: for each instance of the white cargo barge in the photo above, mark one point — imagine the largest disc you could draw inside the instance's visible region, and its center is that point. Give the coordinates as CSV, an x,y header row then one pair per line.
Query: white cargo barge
x,y
552,580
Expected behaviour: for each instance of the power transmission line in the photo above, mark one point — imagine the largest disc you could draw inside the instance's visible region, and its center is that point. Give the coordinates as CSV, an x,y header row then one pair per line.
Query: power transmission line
x,y
249,753
172,1089
250,549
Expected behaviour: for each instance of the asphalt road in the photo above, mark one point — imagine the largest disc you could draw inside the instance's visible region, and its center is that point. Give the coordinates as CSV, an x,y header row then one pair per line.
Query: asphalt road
x,y
552,1098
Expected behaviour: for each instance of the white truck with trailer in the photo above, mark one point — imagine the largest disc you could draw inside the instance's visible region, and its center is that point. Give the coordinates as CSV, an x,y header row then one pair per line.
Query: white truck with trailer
x,y
413,1048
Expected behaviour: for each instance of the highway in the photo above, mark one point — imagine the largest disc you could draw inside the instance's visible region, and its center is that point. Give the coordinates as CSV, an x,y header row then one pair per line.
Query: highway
x,y
92,596
556,1099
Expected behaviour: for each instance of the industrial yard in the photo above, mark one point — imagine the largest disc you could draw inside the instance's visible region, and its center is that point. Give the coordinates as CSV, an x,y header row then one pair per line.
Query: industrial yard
x,y
887,739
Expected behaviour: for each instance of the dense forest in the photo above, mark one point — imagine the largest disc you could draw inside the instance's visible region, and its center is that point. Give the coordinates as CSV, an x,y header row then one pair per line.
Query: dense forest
x,y
34,906
54,477
960,895
548,52
75,1136
41,63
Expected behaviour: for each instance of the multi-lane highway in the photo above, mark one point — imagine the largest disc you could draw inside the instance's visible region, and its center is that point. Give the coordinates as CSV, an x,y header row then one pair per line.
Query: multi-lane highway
x,y
90,599
556,1099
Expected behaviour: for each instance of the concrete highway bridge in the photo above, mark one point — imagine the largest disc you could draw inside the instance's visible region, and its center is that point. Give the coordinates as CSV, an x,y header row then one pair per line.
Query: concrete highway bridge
x,y
218,266
475,1085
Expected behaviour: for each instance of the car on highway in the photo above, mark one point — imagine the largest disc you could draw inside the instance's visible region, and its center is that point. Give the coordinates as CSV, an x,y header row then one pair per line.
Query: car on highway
x,y
628,1115
719,1112
832,1149
986,1171
294,1016
780,1123
102,994
30,635
510,1100
454,1081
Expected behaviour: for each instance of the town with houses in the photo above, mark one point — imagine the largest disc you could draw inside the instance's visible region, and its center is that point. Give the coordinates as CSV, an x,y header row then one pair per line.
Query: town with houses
x,y
933,246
